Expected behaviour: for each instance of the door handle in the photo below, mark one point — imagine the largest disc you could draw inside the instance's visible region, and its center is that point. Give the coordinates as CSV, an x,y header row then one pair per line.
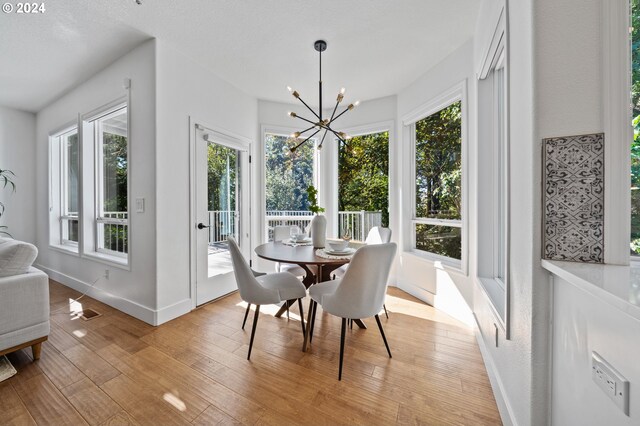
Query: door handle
x,y
202,226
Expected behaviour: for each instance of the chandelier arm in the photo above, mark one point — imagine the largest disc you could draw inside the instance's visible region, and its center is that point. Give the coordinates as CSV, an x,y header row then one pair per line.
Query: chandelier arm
x,y
323,136
309,108
334,111
336,134
300,144
306,130
339,115
308,121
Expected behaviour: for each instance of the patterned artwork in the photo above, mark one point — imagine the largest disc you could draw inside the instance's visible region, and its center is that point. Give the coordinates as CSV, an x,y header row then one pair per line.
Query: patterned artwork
x,y
574,198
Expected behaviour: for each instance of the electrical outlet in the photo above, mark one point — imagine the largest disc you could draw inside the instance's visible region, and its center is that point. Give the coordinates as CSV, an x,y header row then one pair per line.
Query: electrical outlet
x,y
610,381
106,274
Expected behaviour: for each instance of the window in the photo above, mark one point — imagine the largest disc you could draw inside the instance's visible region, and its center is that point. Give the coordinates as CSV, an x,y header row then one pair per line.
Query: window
x,y
363,184
287,177
437,223
64,192
500,150
635,143
111,174
89,186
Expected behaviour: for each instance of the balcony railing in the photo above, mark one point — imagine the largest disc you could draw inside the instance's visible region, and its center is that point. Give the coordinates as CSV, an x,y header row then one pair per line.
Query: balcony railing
x,y
222,224
358,223
113,230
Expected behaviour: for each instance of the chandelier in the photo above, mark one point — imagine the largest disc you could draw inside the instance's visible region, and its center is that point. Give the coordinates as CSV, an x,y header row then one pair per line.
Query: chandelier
x,y
318,123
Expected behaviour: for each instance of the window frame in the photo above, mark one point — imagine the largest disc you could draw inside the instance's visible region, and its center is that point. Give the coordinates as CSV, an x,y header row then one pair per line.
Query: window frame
x,y
91,185
64,189
457,93
57,196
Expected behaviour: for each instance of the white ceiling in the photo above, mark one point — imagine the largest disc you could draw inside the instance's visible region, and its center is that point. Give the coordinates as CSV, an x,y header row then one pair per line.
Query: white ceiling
x,y
375,47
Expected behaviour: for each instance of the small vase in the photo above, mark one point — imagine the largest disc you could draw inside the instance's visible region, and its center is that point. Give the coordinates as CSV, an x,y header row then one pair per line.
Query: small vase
x,y
318,231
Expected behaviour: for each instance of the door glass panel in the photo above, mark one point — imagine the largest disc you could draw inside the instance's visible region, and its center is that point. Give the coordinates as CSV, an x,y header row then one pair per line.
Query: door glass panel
x,y
222,205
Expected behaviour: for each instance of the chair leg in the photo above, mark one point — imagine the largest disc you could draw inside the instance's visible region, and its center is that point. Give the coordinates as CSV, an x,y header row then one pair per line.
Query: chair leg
x,y
253,330
350,324
313,321
344,326
301,315
385,311
246,314
383,336
308,330
287,303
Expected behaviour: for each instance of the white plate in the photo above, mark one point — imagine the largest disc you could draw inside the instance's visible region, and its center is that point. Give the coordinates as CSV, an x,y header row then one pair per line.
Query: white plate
x,y
348,250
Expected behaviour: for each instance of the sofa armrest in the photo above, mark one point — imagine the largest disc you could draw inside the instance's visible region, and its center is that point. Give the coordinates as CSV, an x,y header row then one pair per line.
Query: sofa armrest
x,y
24,300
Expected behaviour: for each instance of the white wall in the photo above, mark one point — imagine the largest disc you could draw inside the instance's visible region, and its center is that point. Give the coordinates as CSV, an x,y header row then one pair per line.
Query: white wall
x,y
17,151
445,288
186,89
134,290
582,323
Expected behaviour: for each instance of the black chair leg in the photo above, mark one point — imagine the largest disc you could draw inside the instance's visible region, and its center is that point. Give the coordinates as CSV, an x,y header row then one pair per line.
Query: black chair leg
x,y
385,311
301,315
344,327
383,336
308,330
287,303
246,314
313,321
350,324
253,331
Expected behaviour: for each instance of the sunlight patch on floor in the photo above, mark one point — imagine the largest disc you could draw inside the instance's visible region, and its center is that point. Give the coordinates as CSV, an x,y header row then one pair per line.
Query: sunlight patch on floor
x,y
176,402
271,310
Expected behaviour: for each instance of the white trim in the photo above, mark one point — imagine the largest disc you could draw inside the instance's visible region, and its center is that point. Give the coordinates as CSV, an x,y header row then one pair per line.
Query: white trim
x,y
172,311
107,259
491,53
443,100
618,130
499,392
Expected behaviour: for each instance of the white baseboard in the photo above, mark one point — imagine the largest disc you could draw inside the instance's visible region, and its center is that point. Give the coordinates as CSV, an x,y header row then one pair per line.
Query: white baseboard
x,y
136,310
422,294
506,412
173,311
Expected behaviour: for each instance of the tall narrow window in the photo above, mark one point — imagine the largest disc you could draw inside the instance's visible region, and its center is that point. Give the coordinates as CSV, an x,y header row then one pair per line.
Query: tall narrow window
x,y
64,178
363,184
635,143
69,192
112,218
287,177
438,183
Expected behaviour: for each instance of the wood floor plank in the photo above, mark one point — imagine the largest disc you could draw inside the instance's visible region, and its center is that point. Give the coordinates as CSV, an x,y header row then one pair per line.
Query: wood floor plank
x,y
94,367
90,401
45,402
58,368
116,370
13,410
145,405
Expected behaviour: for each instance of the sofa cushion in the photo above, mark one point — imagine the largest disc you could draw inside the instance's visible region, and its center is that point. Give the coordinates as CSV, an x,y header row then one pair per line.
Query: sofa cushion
x,y
16,257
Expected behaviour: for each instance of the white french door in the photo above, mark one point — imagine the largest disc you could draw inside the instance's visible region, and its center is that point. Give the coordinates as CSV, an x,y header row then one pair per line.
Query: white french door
x,y
222,210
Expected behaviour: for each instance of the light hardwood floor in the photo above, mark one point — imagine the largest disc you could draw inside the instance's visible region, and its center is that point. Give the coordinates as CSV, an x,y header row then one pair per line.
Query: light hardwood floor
x,y
116,370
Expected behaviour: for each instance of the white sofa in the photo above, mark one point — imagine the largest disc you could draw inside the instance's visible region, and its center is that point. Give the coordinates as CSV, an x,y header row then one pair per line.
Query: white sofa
x,y
24,299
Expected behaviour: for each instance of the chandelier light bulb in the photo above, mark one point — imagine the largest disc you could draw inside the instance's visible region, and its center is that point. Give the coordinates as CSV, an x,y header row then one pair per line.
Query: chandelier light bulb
x,y
295,135
292,114
342,91
289,89
356,103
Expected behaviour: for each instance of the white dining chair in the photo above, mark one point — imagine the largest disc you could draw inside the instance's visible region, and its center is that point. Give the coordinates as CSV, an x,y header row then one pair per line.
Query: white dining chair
x,y
376,235
359,294
264,290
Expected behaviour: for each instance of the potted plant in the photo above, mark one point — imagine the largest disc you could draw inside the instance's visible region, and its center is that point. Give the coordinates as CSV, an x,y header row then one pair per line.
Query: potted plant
x,y
319,222
6,179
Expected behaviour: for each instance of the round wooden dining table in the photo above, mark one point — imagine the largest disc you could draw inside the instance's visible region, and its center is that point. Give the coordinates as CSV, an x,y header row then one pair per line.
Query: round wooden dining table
x,y
303,255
